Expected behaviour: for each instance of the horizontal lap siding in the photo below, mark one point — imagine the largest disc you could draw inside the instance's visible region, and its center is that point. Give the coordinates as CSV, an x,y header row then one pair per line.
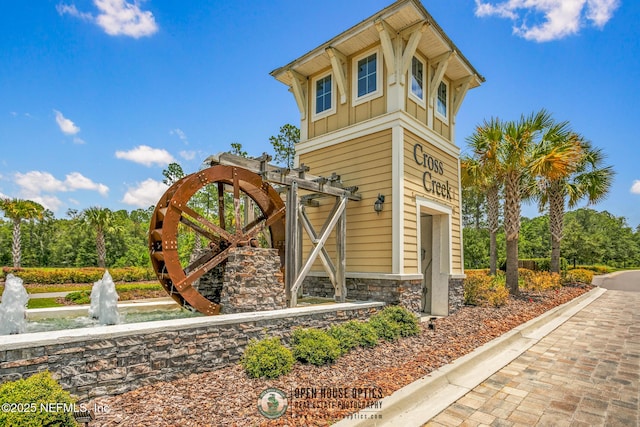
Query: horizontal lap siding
x,y
364,162
414,187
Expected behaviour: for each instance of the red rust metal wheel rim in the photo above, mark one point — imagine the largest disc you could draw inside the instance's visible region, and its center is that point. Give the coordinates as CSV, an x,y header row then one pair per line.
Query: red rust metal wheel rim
x,y
173,210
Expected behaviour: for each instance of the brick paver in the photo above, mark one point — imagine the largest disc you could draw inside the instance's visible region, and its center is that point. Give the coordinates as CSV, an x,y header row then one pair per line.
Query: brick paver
x,y
585,373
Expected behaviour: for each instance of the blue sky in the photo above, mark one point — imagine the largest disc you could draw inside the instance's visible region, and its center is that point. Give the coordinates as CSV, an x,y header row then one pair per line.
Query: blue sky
x,y
97,96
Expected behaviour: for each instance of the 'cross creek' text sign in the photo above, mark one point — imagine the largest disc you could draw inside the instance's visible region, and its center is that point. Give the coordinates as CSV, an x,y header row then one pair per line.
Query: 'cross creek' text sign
x,y
433,169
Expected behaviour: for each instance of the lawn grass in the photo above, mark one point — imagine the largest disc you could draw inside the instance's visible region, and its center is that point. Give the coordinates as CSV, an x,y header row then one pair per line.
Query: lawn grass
x,y
73,287
43,303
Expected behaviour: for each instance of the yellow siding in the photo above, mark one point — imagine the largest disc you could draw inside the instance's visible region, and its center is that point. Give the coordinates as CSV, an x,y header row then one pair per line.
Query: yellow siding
x,y
365,162
345,114
414,187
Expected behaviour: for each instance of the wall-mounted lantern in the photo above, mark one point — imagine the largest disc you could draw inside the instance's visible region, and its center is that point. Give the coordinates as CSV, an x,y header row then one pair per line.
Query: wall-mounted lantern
x,y
378,205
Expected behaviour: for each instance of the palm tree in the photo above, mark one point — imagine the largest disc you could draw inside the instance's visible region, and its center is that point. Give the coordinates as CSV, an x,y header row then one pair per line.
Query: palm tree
x,y
100,219
483,171
515,154
17,210
567,166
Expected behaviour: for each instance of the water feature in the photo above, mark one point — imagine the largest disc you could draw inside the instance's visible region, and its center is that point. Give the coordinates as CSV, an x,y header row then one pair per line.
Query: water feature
x,y
13,307
107,306
56,323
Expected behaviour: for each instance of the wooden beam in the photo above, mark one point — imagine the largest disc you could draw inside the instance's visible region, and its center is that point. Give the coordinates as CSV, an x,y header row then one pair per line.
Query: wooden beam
x,y
275,174
411,47
338,64
328,227
385,31
298,85
291,248
324,255
441,62
460,88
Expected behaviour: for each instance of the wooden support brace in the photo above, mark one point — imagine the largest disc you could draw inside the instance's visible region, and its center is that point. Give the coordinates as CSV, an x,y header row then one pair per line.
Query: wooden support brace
x,y
339,64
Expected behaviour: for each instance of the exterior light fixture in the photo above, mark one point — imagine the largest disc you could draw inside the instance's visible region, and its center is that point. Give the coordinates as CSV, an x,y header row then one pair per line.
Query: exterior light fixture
x,y
432,325
378,205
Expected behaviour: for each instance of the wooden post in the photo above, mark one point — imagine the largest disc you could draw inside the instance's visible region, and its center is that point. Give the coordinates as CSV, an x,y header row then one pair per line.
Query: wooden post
x,y
291,249
341,243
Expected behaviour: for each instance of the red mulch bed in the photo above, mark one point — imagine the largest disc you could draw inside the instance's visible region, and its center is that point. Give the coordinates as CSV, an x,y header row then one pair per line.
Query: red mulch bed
x,y
227,397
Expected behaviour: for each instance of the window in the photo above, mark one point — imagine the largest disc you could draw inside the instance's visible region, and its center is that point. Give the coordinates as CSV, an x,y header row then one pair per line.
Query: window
x,y
441,107
324,96
367,74
417,80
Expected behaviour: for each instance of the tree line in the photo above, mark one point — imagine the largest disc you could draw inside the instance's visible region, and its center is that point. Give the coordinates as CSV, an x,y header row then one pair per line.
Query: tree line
x,y
31,236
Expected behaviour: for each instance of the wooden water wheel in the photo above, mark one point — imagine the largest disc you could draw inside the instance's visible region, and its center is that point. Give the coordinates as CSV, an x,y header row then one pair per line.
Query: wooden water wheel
x,y
246,210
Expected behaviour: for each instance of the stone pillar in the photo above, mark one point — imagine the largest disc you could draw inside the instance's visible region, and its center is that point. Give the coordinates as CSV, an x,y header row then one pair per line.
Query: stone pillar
x,y
456,294
253,281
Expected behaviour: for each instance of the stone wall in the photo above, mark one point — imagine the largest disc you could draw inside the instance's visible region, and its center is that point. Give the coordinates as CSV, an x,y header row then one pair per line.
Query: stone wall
x,y
115,359
253,281
407,293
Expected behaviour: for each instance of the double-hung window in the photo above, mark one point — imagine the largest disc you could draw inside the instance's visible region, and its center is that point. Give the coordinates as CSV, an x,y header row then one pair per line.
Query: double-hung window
x,y
324,96
367,72
441,100
416,78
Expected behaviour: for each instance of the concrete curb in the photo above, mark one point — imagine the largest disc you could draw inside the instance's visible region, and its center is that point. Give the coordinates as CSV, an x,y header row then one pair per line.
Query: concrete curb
x,y
418,402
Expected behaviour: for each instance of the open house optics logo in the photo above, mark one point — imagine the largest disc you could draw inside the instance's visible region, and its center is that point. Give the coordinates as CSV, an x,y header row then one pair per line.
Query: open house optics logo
x,y
272,403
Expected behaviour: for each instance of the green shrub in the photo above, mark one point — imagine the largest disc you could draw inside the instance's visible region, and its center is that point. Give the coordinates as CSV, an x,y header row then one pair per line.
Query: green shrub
x,y
38,389
267,358
314,346
345,337
394,322
79,297
363,332
408,323
578,276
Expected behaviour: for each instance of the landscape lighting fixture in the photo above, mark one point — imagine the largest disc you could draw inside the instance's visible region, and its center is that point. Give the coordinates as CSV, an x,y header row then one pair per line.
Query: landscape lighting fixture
x,y
377,206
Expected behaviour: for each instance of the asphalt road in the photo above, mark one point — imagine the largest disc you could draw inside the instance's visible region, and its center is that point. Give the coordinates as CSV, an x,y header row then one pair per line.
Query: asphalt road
x,y
621,281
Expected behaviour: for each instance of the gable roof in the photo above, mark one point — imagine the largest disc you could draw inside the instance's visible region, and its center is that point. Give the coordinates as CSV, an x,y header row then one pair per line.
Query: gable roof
x,y
401,15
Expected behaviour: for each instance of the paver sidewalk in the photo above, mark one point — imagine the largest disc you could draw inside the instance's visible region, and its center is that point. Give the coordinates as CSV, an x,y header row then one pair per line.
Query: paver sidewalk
x,y
585,373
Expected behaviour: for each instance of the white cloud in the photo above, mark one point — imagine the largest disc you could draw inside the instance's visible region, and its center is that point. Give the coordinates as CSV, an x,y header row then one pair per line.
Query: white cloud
x,y
40,187
47,201
116,17
35,182
146,155
66,125
77,181
560,18
79,141
145,194
635,187
181,135
188,155
4,196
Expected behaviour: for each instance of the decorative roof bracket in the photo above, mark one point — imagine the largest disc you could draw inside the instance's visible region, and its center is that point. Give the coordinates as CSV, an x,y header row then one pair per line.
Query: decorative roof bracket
x,y
339,64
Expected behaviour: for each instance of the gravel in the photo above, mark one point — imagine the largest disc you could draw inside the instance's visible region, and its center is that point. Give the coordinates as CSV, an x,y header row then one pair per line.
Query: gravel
x,y
227,397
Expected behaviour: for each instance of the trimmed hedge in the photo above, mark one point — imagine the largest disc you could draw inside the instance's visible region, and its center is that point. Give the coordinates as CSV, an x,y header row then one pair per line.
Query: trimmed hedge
x,y
315,346
578,276
28,394
50,276
267,358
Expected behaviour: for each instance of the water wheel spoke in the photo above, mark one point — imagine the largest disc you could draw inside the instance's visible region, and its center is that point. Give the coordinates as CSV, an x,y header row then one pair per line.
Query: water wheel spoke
x,y
221,205
201,260
236,202
259,224
199,271
200,228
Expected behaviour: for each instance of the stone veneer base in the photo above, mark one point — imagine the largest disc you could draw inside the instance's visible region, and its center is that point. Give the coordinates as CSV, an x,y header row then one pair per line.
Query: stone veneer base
x,y
108,360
